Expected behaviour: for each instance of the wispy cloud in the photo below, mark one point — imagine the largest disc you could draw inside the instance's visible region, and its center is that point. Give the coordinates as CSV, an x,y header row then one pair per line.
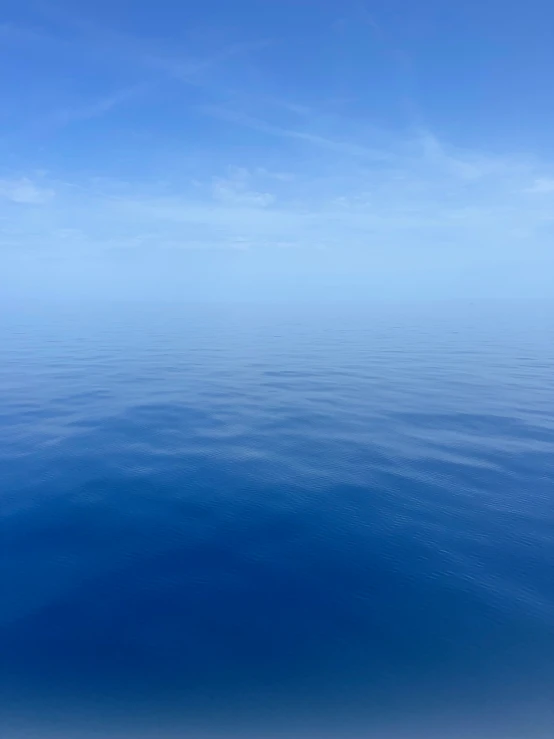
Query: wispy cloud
x,y
25,192
190,70
542,185
88,110
235,190
143,60
248,169
323,142
466,165
145,53
468,203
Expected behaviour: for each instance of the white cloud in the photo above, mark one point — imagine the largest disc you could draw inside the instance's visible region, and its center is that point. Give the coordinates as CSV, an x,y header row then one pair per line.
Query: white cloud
x,y
235,190
542,185
24,191
424,196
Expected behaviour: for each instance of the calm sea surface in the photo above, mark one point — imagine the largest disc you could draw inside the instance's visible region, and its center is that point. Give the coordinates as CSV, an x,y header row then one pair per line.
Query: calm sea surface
x,y
214,518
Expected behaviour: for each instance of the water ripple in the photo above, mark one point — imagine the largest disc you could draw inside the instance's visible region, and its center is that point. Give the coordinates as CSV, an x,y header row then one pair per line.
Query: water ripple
x,y
235,502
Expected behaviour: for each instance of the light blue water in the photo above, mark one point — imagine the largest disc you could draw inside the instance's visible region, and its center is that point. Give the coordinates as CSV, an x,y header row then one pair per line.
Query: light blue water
x,y
219,517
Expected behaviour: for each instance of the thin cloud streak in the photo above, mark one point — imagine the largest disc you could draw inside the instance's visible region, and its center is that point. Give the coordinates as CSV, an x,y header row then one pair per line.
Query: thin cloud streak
x,y
418,204
94,109
146,54
256,124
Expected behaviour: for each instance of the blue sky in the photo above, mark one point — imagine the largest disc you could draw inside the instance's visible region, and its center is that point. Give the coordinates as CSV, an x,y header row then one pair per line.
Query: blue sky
x,y
297,149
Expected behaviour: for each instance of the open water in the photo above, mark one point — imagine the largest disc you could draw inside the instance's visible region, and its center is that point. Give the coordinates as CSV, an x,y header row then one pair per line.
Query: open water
x,y
277,520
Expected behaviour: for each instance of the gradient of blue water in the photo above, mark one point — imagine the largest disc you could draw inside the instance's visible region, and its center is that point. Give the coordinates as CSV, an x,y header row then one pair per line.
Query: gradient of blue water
x,y
214,507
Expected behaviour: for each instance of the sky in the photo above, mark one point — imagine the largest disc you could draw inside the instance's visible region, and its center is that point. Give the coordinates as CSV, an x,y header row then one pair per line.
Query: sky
x,y
300,149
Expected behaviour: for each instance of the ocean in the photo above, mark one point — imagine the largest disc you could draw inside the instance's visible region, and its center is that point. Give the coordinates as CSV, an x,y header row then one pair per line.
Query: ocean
x,y
277,520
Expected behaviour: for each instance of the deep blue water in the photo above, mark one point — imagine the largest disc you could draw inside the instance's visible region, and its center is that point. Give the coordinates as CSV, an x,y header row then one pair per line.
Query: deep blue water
x,y
215,518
